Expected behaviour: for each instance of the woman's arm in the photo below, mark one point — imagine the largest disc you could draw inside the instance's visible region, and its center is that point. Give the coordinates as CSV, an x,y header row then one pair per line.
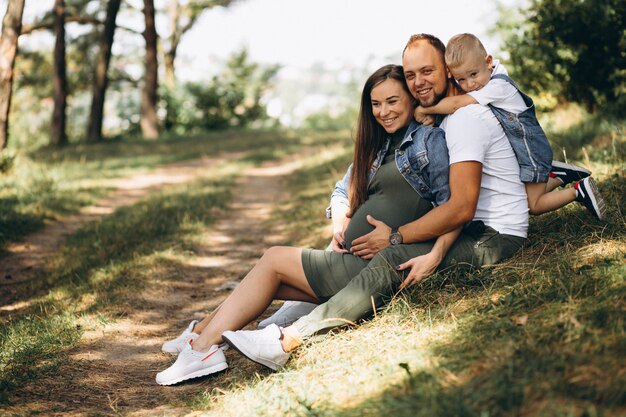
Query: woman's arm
x,y
340,221
338,210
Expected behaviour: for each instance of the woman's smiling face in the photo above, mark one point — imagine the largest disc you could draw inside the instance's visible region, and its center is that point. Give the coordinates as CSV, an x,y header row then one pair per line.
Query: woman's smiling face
x,y
391,105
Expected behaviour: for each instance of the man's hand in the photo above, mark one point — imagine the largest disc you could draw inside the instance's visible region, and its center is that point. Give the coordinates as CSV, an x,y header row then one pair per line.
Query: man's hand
x,y
423,118
370,244
421,267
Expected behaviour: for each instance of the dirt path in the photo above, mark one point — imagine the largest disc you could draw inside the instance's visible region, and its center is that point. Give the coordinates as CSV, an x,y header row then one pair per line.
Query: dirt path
x,y
113,369
26,257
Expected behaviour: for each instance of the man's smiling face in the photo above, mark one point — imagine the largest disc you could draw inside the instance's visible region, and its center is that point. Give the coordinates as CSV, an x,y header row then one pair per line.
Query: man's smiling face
x,y
425,72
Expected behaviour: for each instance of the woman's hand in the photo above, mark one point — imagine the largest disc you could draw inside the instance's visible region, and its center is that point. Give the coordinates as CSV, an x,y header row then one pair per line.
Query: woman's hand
x,y
421,267
338,243
370,244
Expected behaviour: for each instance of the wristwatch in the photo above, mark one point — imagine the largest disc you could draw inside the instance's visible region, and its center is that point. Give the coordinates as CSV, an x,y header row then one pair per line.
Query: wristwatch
x,y
395,238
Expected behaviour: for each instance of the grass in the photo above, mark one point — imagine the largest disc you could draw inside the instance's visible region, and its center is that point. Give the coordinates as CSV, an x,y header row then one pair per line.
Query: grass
x,y
108,261
542,334
48,183
102,267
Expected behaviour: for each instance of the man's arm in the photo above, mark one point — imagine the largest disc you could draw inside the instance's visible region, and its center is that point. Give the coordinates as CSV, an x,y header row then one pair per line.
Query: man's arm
x,y
424,265
465,180
448,105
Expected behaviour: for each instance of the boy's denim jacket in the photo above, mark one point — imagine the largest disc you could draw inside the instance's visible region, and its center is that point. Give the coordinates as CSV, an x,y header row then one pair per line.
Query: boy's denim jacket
x,y
422,159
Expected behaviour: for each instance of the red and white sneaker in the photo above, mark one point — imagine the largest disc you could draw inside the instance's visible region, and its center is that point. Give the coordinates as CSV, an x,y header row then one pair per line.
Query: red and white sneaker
x,y
567,173
588,195
191,364
175,346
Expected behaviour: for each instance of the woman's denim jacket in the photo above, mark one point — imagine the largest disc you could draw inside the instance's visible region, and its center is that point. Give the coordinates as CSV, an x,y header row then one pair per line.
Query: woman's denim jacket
x,y
422,159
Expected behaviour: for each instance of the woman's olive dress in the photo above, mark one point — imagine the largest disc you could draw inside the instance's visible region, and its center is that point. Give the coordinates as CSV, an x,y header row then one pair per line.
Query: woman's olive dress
x,y
390,199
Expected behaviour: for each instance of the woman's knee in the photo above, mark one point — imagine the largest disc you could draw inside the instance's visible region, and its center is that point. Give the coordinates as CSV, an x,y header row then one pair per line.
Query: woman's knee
x,y
278,254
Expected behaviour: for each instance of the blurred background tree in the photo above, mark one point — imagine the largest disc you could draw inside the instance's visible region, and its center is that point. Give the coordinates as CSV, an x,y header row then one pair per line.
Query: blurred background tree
x,y
573,50
232,99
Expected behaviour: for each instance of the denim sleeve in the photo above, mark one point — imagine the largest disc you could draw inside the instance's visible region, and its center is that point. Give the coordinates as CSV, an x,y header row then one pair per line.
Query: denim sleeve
x,y
437,170
340,193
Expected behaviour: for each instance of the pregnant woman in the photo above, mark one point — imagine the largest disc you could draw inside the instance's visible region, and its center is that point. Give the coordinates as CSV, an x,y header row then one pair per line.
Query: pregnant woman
x,y
400,169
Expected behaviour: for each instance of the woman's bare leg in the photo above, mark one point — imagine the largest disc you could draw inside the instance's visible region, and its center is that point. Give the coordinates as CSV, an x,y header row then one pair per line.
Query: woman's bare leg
x,y
280,266
284,292
289,293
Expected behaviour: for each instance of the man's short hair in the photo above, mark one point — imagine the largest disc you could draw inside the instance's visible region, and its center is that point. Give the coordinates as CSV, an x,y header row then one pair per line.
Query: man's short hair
x,y
460,47
433,40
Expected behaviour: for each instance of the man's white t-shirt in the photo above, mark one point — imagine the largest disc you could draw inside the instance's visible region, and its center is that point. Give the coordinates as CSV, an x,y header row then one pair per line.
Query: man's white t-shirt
x,y
474,134
500,93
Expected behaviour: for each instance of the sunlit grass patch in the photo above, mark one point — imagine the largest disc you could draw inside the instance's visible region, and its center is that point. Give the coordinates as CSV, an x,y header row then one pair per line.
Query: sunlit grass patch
x,y
50,182
103,267
30,346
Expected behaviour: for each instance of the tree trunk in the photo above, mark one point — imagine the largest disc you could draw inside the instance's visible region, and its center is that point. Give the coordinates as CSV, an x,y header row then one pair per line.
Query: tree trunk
x,y
101,79
11,26
59,136
173,12
149,119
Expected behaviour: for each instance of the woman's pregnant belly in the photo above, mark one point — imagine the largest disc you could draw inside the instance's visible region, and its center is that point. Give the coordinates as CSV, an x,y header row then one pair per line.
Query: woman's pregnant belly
x,y
394,212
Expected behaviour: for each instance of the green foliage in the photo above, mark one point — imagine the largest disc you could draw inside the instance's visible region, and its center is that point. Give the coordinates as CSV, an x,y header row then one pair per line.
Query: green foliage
x,y
7,159
325,121
570,48
231,99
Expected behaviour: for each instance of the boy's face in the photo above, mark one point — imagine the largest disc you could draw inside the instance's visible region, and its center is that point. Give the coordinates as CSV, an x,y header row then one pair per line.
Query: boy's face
x,y
474,73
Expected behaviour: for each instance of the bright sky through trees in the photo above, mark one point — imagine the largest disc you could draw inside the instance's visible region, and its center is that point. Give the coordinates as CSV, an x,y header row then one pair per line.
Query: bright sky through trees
x,y
297,33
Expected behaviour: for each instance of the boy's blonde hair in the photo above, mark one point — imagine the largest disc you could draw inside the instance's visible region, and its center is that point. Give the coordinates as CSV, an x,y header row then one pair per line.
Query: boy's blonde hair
x,y
460,47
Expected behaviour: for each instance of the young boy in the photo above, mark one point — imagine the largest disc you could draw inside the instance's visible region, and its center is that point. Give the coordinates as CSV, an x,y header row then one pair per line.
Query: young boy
x,y
486,82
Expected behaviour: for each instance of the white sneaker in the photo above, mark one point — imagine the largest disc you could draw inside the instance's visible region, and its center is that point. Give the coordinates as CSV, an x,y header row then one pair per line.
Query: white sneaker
x,y
191,364
261,346
175,346
289,312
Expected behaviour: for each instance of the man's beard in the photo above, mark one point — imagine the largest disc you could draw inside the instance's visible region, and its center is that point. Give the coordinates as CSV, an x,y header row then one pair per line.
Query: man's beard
x,y
436,99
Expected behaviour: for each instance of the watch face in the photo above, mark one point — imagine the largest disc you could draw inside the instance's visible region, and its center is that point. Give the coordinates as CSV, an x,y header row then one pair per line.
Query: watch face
x,y
395,238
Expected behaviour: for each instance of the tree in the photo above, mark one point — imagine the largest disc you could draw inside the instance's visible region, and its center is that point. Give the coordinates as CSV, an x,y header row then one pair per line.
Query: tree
x,y
94,129
59,136
11,27
232,99
149,120
181,18
571,48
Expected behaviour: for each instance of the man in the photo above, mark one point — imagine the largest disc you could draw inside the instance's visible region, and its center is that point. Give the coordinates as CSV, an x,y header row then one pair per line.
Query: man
x,y
487,199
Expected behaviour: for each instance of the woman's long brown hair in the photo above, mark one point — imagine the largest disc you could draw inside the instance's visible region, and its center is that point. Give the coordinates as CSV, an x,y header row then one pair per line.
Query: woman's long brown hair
x,y
370,135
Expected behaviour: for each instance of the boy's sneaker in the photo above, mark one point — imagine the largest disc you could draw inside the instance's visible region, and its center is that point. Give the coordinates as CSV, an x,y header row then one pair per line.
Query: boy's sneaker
x,y
175,346
261,346
191,364
587,194
289,312
567,173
